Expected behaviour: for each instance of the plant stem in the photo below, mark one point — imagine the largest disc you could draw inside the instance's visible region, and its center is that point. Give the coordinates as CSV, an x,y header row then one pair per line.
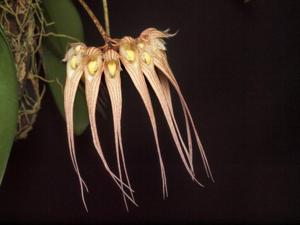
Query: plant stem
x,y
100,28
106,16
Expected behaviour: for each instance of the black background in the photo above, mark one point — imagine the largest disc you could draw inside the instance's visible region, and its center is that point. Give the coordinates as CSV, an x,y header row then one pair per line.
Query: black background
x,y
238,66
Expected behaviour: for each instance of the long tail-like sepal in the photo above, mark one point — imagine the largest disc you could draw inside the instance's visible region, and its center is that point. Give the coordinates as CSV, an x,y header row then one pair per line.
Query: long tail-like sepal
x,y
113,82
74,74
130,59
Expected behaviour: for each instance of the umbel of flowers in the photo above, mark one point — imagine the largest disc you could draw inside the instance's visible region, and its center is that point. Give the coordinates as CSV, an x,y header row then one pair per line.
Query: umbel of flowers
x,y
144,58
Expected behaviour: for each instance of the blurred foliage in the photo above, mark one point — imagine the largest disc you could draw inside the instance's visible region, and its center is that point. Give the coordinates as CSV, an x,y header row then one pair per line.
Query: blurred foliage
x,y
34,37
9,102
54,48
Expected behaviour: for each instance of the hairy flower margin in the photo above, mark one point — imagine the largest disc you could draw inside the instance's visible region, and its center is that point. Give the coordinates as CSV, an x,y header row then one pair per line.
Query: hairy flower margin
x,y
144,58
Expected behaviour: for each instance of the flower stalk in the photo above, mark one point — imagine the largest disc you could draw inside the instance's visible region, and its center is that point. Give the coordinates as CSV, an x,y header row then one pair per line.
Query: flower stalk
x,y
106,16
105,35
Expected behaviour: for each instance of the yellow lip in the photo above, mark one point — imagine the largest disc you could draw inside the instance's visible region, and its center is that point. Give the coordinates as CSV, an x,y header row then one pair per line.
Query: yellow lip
x,y
112,67
93,67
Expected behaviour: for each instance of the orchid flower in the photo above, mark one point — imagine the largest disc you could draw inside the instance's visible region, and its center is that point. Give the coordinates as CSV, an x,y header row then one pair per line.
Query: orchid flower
x,y
144,58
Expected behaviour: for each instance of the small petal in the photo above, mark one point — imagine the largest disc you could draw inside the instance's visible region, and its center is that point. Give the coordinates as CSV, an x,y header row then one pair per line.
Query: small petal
x,y
153,33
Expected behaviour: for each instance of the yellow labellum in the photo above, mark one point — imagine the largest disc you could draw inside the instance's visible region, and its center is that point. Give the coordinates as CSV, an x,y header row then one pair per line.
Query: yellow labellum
x,y
93,67
130,55
112,67
74,62
146,58
141,45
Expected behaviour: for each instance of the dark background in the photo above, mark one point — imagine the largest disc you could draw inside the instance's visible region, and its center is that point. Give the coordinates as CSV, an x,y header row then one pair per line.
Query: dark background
x,y
238,66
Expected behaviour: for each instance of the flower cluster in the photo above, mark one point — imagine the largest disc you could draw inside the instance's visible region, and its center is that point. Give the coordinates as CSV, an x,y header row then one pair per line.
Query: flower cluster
x,y
144,58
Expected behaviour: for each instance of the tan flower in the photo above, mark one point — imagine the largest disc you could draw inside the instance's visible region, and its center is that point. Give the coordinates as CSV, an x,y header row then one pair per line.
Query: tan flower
x,y
74,73
144,58
130,58
153,47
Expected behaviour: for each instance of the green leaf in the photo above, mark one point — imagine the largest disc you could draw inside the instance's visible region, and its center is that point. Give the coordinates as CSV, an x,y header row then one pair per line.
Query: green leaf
x,y
55,71
9,102
66,20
